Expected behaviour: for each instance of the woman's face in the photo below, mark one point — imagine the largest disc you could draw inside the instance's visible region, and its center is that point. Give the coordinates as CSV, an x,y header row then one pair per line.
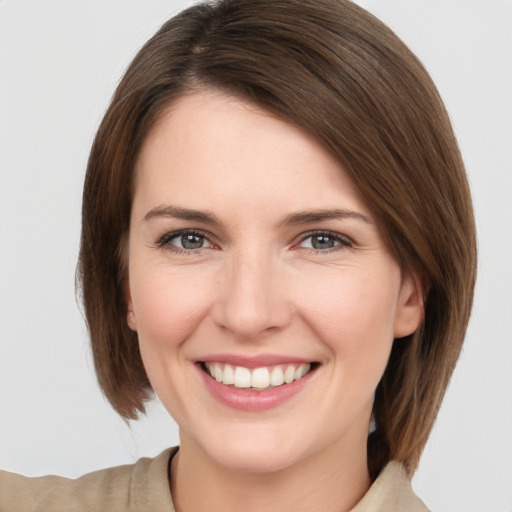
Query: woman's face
x,y
252,257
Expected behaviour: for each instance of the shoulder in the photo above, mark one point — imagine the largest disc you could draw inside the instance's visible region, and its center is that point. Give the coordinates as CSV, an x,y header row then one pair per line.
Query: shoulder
x,y
129,488
391,492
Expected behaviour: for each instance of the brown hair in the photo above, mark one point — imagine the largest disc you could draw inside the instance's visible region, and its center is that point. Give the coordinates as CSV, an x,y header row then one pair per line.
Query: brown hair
x,y
335,70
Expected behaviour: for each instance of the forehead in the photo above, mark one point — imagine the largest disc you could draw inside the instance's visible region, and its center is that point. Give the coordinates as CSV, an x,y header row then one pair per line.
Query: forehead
x,y
210,147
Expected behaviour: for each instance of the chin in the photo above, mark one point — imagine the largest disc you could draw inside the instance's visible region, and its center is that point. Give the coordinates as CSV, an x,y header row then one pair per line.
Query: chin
x,y
259,448
247,457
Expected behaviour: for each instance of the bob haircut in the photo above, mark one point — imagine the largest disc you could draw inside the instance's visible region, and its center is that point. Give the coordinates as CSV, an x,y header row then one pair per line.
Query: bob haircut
x,y
333,69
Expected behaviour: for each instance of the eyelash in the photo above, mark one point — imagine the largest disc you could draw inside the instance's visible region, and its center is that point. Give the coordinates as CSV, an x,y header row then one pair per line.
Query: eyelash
x,y
165,241
342,242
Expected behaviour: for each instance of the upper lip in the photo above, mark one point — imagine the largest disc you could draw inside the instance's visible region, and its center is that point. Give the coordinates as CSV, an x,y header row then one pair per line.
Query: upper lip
x,y
253,361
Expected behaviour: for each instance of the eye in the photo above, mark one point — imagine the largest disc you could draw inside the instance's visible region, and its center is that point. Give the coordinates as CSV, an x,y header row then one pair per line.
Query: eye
x,y
323,241
184,241
189,241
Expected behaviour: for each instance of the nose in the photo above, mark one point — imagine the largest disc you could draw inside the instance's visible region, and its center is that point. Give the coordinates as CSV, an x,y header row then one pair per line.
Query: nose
x,y
252,298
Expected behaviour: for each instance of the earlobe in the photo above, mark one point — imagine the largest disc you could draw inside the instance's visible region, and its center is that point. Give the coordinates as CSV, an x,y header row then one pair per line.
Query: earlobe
x,y
410,311
130,317
131,320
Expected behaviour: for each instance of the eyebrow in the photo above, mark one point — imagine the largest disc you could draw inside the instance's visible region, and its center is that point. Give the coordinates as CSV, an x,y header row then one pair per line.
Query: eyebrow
x,y
206,217
308,216
176,212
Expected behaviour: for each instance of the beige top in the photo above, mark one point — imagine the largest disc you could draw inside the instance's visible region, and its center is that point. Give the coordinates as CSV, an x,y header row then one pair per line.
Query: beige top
x,y
143,487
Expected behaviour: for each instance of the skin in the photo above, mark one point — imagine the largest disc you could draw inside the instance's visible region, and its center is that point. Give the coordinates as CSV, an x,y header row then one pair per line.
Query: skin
x,y
257,286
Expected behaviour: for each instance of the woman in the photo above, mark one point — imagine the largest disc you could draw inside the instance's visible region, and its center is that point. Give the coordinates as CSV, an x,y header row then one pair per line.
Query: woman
x,y
278,240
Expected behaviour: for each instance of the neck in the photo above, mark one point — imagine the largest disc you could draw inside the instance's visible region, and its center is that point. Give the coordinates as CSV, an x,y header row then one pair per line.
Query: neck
x,y
329,481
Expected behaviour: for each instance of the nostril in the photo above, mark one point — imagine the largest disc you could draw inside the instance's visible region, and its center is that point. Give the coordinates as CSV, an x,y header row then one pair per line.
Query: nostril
x,y
249,322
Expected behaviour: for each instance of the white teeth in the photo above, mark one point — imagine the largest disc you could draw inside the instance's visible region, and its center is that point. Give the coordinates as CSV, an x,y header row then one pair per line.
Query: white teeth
x,y
258,378
229,375
289,374
217,372
277,376
242,377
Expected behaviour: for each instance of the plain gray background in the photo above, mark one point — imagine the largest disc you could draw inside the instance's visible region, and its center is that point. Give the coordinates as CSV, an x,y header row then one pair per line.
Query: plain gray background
x,y
59,64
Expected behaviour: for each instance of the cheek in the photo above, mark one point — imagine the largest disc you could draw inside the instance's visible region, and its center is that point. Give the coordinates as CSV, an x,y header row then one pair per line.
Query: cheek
x,y
168,305
353,314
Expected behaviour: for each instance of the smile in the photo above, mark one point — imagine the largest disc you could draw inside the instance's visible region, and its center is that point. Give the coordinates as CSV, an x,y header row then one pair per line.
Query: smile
x,y
255,383
256,379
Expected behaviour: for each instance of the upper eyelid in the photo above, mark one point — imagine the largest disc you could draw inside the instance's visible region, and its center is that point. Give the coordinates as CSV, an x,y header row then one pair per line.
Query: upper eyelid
x,y
319,232
171,235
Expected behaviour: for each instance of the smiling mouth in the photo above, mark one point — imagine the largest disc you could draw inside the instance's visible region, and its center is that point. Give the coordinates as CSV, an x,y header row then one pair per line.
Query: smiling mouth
x,y
257,379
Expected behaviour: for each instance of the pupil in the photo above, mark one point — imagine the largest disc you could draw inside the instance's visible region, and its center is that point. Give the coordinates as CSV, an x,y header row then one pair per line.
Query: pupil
x,y
322,242
191,242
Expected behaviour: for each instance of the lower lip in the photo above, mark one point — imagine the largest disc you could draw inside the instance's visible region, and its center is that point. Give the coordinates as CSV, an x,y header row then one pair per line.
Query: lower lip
x,y
247,400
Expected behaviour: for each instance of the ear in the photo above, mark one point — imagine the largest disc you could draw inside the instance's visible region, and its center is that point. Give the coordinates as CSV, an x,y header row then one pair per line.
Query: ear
x,y
410,308
130,316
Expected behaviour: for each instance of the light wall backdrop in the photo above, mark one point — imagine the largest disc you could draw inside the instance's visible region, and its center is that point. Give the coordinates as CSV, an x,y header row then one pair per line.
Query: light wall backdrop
x,y
59,64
